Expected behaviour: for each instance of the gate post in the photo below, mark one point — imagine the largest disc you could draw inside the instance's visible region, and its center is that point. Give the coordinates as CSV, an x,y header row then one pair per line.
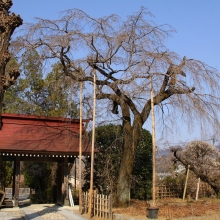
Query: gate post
x,y
59,183
16,180
65,182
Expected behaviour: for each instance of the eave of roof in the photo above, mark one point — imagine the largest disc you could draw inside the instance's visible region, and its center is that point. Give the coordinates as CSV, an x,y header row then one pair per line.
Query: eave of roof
x,y
37,134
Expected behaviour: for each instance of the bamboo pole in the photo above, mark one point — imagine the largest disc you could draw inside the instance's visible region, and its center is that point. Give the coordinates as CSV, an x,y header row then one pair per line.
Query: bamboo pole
x,y
153,145
80,151
197,189
92,151
187,176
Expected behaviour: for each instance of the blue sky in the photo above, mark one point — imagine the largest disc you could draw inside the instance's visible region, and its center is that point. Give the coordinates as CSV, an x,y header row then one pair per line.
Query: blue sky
x,y
197,22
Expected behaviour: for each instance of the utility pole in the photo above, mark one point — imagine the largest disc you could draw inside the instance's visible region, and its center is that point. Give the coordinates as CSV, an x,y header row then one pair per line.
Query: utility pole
x,y
93,146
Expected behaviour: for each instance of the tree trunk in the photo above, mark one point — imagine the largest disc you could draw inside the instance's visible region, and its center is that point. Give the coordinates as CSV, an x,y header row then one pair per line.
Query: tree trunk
x,y
124,178
8,23
131,137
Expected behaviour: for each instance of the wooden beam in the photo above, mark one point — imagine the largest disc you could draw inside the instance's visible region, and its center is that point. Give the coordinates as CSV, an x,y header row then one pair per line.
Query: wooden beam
x,y
38,159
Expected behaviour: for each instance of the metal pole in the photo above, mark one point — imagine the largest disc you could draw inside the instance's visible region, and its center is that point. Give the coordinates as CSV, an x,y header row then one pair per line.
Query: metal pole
x,y
92,150
80,151
153,145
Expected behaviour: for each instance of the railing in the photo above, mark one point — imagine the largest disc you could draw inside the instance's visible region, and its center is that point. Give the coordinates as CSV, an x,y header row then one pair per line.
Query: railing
x,y
101,205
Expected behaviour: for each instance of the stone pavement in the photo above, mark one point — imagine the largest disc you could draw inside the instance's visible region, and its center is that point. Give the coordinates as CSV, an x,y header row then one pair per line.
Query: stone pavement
x,y
41,212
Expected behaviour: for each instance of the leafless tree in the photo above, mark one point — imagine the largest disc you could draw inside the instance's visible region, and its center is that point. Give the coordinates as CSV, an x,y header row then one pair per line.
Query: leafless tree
x,y
203,159
8,23
125,54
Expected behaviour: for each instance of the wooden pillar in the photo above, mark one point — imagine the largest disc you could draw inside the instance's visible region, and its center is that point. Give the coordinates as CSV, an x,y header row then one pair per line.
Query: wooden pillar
x,y
65,182
16,180
1,172
59,183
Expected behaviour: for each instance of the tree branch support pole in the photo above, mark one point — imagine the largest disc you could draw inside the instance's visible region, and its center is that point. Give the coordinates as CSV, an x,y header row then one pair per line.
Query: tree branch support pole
x,y
187,176
92,150
80,151
197,189
153,145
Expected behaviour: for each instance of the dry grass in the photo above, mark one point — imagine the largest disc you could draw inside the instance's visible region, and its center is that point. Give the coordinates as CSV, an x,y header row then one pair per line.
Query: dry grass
x,y
173,208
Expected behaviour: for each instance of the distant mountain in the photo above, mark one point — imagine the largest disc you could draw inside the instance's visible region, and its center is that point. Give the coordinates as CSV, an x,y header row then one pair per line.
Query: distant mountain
x,y
218,147
161,152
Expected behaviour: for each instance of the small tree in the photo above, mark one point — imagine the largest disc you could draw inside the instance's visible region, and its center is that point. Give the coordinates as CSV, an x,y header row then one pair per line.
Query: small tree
x,y
203,159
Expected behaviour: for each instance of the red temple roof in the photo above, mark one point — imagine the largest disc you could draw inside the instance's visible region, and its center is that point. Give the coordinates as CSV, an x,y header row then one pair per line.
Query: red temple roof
x,y
37,134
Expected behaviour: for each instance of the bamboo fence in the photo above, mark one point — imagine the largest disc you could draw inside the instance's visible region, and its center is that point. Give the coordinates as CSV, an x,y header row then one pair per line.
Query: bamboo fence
x,y
101,205
176,190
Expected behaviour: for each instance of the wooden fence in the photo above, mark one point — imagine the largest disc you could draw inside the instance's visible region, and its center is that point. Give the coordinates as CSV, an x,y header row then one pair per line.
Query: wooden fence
x,y
101,205
176,191
169,191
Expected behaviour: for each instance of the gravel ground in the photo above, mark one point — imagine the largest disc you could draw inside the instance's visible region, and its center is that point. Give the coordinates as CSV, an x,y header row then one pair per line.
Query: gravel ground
x,y
50,214
40,212
8,215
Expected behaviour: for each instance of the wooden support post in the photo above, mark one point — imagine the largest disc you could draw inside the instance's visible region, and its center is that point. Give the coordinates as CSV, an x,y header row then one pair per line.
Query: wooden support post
x,y
92,151
153,145
187,176
197,189
16,180
65,182
80,152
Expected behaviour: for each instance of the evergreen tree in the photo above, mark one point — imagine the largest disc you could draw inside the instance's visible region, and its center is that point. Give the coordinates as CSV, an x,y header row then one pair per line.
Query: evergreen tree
x,y
108,141
142,171
107,160
27,95
61,91
52,95
37,175
5,173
